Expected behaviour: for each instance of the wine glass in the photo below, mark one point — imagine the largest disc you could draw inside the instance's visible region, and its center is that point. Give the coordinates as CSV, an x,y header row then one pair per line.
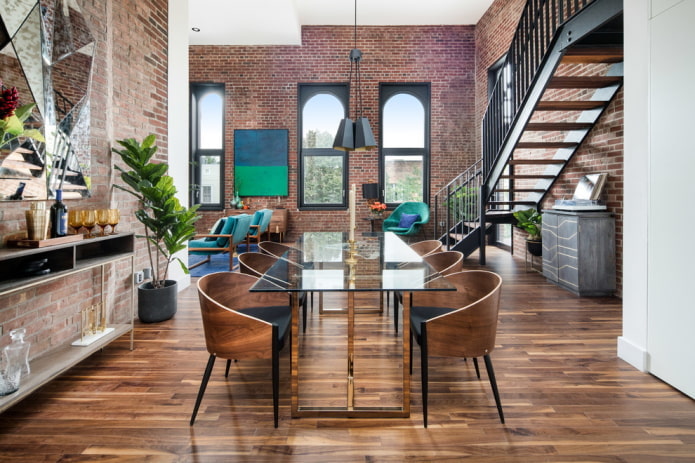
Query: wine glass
x,y
102,220
75,219
114,216
89,220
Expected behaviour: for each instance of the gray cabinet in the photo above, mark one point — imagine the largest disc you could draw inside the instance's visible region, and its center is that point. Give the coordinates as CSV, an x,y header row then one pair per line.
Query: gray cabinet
x,y
579,251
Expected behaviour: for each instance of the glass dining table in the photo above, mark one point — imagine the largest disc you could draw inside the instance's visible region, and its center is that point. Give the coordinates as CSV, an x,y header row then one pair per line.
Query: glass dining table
x,y
338,368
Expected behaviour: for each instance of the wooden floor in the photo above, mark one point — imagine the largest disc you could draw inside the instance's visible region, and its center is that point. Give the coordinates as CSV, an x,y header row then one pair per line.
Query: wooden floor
x,y
566,397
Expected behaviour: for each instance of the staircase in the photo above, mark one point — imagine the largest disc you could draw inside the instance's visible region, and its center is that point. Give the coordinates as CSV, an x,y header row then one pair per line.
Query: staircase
x,y
562,70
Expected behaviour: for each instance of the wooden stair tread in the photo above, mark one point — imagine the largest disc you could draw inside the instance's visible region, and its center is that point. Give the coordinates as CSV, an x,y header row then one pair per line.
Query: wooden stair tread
x,y
569,105
496,203
584,81
519,190
528,176
516,162
593,55
559,126
545,144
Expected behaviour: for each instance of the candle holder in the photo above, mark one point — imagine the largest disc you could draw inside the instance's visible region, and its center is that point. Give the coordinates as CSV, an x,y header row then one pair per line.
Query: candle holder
x,y
92,324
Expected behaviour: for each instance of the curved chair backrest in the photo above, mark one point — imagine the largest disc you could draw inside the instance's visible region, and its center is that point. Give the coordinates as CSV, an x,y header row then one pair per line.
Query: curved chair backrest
x,y
392,222
445,262
262,219
273,248
427,247
470,330
229,333
256,263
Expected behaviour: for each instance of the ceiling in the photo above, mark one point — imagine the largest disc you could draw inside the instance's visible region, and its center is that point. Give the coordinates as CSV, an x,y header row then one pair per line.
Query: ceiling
x,y
279,22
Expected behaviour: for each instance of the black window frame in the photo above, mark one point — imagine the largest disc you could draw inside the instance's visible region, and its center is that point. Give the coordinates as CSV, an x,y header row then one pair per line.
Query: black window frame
x,y
306,91
421,91
197,91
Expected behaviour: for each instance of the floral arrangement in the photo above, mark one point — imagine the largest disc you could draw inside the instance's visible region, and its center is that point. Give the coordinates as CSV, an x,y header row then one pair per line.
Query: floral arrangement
x,y
377,208
12,117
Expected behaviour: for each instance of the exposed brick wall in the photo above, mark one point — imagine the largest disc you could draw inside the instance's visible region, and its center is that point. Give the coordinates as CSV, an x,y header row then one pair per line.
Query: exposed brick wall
x,y
128,99
261,85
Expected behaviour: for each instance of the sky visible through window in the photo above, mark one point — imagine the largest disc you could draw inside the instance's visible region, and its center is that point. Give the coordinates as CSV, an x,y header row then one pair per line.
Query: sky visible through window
x,y
211,121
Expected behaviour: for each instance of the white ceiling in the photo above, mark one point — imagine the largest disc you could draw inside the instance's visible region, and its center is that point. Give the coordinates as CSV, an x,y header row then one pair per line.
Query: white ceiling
x,y
278,22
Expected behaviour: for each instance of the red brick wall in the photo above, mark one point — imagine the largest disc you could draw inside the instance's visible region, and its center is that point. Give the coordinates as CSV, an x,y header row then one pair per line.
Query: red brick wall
x,y
128,99
261,85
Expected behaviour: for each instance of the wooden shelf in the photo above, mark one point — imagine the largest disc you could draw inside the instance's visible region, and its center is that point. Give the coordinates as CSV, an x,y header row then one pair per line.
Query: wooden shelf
x,y
62,259
58,361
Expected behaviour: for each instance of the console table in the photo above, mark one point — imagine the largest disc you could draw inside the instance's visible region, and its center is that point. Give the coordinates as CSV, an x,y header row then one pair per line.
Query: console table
x,y
579,251
63,260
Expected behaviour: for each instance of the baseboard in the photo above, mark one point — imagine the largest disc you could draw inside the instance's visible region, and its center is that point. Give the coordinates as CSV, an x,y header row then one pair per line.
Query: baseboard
x,y
632,354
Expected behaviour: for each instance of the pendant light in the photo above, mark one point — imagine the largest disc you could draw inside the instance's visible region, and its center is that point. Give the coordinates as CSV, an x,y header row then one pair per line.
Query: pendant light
x,y
357,135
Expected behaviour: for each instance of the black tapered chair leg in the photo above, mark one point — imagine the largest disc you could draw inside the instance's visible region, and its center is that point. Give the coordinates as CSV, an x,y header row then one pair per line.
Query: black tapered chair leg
x,y
477,369
423,373
276,379
304,306
493,383
395,313
226,370
203,386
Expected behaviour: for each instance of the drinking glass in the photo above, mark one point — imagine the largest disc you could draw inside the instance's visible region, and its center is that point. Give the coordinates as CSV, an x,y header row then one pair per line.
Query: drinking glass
x,y
75,220
114,216
89,220
102,219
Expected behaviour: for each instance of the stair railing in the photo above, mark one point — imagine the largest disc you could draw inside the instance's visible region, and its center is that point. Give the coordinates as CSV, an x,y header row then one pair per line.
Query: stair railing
x,y
457,206
534,35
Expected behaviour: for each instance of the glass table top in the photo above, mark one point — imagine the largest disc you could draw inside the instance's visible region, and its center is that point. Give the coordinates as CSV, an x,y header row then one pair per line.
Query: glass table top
x,y
326,261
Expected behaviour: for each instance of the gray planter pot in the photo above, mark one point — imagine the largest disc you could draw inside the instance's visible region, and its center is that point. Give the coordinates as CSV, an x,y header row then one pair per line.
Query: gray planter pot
x,y
157,304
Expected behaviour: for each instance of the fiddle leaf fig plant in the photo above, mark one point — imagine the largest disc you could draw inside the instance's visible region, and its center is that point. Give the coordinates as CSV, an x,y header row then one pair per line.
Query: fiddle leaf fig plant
x,y
168,225
529,220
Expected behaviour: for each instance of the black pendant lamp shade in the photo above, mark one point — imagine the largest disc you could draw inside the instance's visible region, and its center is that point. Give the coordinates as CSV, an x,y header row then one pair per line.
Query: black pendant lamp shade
x,y
357,135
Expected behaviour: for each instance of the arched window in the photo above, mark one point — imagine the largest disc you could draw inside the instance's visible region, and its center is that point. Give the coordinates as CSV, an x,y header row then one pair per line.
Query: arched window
x,y
207,145
323,170
404,161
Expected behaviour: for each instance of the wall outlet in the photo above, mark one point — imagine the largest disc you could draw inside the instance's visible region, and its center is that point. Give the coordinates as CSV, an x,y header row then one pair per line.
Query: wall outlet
x,y
138,277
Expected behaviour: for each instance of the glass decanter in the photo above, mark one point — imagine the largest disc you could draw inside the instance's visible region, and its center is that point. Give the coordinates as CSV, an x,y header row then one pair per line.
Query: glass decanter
x,y
18,350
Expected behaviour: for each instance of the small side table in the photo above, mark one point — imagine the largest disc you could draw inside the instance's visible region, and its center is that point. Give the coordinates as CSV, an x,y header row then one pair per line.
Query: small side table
x,y
371,222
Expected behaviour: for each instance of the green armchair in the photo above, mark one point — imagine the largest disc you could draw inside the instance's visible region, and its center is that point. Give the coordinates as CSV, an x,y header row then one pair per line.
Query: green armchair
x,y
259,226
407,219
224,236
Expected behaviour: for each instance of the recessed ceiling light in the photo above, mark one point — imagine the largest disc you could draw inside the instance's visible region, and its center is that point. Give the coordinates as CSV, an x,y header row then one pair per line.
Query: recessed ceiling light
x,y
195,29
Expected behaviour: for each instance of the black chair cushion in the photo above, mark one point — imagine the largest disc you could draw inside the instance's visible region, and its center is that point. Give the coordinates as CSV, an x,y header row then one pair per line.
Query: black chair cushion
x,y
419,314
277,315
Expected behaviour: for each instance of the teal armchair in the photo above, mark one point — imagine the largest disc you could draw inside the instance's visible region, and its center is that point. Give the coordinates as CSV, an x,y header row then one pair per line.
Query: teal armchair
x,y
259,226
224,236
407,218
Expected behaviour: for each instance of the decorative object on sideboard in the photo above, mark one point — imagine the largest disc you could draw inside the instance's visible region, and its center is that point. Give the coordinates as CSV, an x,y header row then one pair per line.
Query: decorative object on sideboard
x,y
168,225
14,363
37,218
92,324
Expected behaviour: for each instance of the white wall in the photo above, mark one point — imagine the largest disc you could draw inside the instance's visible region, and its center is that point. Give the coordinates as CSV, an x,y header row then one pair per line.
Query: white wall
x,y
178,115
658,312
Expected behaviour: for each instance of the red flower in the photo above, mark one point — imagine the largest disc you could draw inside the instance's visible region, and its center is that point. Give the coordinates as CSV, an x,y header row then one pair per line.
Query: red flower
x,y
9,101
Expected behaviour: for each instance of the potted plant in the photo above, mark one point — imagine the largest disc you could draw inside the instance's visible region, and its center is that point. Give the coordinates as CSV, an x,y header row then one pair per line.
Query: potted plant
x,y
168,225
530,220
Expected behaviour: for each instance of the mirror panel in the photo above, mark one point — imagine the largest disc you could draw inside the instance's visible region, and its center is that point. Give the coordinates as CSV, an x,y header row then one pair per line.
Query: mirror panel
x,y
46,51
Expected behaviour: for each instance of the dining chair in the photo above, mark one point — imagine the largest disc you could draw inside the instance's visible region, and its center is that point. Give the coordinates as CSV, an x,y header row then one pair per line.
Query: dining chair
x,y
443,263
279,250
257,263
240,325
426,247
457,324
422,248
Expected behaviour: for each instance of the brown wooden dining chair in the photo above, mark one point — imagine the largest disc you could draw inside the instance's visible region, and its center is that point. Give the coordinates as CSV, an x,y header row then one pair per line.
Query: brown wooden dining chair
x,y
240,325
426,247
444,263
457,324
257,263
279,250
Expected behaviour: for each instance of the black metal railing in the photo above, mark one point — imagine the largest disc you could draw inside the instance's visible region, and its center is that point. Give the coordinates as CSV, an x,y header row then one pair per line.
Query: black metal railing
x,y
534,35
457,205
